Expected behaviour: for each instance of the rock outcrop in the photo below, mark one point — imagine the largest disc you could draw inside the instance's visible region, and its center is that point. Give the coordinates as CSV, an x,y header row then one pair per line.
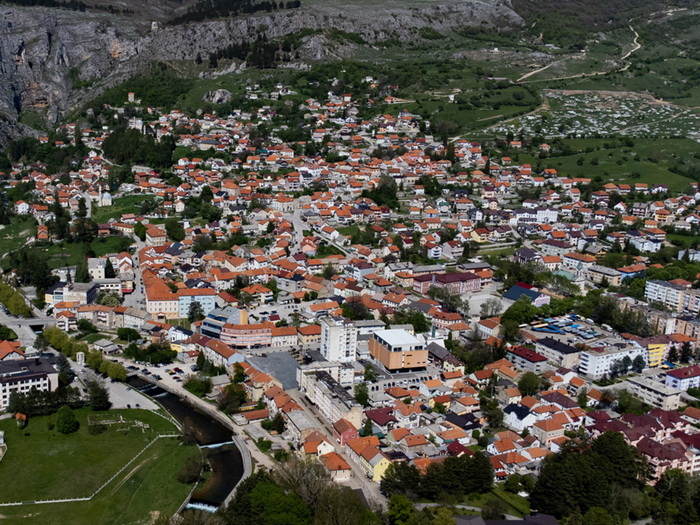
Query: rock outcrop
x,y
53,60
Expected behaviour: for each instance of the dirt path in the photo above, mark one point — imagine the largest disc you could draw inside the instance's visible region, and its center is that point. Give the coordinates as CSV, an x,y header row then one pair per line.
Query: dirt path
x,y
636,46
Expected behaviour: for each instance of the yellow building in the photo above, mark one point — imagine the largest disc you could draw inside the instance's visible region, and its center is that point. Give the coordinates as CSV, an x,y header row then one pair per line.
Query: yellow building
x,y
655,354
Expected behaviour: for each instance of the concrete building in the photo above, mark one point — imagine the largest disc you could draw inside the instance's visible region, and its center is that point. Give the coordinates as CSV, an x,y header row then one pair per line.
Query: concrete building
x,y
21,375
96,268
398,350
332,400
598,361
247,335
206,297
338,339
526,359
684,378
655,393
597,274
217,318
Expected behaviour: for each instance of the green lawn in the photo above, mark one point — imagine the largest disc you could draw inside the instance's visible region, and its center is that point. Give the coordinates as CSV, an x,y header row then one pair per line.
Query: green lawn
x,y
145,489
68,254
120,206
113,244
517,505
44,464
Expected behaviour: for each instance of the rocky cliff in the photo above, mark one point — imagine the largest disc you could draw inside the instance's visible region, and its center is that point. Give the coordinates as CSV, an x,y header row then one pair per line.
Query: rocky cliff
x,y
52,60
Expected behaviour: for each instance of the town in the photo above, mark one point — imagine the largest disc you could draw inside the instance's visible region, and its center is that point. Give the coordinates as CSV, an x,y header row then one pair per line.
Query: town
x,y
365,290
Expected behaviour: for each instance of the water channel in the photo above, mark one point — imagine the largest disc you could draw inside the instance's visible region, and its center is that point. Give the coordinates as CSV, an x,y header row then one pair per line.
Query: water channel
x,y
213,438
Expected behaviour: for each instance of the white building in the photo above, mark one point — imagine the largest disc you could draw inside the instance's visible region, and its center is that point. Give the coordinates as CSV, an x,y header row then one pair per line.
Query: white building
x,y
338,339
598,361
20,376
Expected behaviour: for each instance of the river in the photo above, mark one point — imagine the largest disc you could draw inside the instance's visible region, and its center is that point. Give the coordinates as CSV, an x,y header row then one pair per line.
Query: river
x,y
213,438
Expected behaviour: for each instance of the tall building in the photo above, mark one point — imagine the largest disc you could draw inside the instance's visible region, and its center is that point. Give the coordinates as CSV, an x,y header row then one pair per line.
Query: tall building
x,y
338,339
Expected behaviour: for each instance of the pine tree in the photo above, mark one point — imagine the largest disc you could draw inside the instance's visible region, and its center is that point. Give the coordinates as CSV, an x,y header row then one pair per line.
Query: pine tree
x,y
82,275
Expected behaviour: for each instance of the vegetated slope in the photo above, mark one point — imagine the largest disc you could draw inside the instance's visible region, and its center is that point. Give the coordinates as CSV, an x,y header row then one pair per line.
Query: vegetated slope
x,y
569,23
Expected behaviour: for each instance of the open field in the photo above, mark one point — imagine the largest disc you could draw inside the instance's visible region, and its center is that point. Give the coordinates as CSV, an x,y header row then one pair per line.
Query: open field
x,y
134,498
647,160
44,464
15,234
120,206
81,462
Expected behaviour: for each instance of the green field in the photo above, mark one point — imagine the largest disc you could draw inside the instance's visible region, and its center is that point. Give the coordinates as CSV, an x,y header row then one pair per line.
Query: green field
x,y
68,254
38,459
120,206
45,464
619,165
15,234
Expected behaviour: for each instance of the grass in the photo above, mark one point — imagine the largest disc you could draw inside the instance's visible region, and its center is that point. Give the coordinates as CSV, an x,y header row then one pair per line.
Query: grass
x,y
68,254
120,206
113,244
683,238
44,464
92,338
184,323
517,505
15,234
135,498
617,164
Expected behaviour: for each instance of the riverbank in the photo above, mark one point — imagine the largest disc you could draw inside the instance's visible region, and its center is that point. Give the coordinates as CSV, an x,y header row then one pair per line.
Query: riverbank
x,y
231,460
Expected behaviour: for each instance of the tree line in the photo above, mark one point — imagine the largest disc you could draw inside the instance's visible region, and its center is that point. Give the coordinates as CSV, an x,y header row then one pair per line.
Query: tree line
x,y
455,476
207,9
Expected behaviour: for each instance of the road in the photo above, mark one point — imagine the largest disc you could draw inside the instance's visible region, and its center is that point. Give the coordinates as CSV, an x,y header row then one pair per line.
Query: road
x,y
359,479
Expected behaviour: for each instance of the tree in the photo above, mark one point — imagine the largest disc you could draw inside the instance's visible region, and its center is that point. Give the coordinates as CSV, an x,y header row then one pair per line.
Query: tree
x,y
308,478
362,394
65,420
191,470
175,230
140,230
686,352
40,343
65,372
367,428
638,364
196,312
400,509
582,398
128,334
109,269
86,327
342,506
490,308
529,384
494,509
82,275
108,299
116,372
238,373
370,373
597,516
98,396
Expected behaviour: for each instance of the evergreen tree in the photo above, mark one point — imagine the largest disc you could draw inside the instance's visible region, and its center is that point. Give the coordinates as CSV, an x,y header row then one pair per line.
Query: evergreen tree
x,y
98,396
109,270
82,275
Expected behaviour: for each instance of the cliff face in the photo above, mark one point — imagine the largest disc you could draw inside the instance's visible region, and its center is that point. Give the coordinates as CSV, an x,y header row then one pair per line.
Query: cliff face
x,y
44,53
